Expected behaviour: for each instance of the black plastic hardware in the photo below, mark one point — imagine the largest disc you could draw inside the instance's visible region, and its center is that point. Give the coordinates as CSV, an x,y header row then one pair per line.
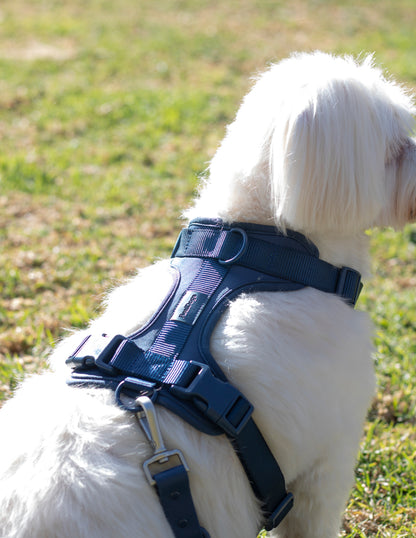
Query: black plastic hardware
x,y
219,401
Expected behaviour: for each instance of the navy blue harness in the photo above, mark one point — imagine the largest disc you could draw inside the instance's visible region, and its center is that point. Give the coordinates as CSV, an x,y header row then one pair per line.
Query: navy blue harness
x,y
169,358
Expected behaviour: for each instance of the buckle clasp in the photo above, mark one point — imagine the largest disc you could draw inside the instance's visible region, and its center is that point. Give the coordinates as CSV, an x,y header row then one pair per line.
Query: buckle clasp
x,y
96,350
218,400
163,459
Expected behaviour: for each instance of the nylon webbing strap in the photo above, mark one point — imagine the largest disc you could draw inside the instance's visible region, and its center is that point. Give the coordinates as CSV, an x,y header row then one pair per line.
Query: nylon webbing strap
x,y
160,367
160,363
219,401
175,497
264,473
235,246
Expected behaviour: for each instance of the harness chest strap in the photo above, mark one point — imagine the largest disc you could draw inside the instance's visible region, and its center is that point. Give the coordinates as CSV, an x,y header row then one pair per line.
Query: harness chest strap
x,y
167,371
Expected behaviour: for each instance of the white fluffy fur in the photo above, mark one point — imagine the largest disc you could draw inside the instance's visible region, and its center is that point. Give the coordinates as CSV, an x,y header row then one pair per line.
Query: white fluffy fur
x,y
321,145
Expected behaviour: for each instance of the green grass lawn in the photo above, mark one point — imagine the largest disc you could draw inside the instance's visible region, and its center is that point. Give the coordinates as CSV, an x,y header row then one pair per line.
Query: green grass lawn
x,y
108,113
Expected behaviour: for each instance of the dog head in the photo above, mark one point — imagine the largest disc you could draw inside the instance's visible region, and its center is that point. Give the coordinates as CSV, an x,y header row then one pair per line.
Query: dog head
x,y
320,144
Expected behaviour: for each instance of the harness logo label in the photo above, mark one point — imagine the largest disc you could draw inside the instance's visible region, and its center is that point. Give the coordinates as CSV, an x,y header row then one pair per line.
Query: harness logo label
x,y
190,307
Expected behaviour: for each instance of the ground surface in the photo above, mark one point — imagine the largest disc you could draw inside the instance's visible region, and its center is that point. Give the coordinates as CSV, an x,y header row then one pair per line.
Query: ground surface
x,y
108,112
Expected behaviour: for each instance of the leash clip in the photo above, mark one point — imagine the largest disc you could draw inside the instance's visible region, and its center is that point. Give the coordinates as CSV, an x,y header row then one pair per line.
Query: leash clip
x,y
163,459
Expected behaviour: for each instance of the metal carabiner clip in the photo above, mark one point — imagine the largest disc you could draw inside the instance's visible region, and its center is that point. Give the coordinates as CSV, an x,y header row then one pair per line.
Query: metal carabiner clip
x,y
163,459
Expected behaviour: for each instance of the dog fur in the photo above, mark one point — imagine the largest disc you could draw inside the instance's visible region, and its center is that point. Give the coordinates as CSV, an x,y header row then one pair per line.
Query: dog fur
x,y
321,145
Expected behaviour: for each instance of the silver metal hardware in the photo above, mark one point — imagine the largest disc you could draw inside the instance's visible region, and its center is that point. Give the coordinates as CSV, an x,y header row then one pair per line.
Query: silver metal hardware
x,y
163,459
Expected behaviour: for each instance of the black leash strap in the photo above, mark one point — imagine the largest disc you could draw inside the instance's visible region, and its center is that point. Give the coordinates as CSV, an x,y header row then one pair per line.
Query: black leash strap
x,y
167,471
175,497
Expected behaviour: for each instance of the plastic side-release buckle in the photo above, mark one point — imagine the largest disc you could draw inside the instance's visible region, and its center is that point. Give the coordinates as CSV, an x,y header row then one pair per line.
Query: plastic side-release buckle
x,y
279,513
219,401
98,350
87,351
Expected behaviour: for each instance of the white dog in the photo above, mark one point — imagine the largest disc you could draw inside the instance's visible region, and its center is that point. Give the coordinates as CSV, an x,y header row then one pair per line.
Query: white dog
x,y
321,145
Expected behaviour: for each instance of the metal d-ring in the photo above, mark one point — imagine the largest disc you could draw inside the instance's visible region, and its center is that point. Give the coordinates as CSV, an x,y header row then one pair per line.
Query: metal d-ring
x,y
127,391
242,250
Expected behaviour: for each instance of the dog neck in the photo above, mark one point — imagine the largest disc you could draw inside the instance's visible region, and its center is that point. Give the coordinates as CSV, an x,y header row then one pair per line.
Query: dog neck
x,y
340,250
352,251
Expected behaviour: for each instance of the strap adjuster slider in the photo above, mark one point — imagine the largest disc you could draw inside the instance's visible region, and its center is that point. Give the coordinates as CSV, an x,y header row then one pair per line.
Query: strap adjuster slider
x,y
279,513
349,285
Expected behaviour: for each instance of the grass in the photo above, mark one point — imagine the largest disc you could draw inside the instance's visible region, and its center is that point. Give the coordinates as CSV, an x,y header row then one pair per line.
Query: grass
x,y
109,112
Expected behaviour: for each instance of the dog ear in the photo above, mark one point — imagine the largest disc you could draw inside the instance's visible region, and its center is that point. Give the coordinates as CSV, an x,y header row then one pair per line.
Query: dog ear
x,y
328,159
401,173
